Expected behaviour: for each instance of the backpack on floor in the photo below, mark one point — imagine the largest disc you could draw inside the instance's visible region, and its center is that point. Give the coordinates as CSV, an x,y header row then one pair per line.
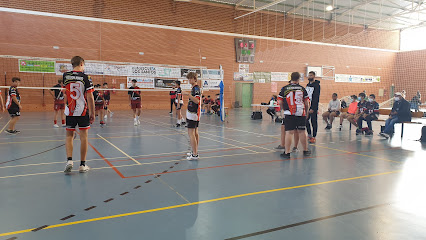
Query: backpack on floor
x,y
256,115
423,138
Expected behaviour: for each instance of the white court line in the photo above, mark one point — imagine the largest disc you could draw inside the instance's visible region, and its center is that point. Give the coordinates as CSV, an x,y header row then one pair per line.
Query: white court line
x,y
229,144
125,154
5,126
131,165
249,144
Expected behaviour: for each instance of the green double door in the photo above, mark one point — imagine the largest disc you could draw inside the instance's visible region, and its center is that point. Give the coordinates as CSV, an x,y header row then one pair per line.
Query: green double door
x,y
247,95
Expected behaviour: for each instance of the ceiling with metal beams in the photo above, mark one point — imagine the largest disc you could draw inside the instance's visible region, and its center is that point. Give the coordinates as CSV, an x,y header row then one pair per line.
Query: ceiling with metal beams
x,y
381,14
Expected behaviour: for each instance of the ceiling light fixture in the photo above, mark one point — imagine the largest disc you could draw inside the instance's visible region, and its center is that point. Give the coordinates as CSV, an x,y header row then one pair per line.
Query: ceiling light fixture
x,y
329,8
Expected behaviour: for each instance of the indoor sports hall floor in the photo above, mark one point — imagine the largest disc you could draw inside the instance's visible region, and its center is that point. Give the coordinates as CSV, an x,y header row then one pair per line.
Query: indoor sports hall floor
x,y
140,186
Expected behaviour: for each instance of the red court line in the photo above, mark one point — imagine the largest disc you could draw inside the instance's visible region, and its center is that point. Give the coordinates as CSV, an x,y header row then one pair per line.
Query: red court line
x,y
241,164
178,155
108,162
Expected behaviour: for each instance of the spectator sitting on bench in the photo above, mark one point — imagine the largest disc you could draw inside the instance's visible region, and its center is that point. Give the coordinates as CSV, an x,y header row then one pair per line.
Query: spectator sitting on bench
x,y
271,110
216,105
416,101
350,115
362,107
400,113
370,114
333,111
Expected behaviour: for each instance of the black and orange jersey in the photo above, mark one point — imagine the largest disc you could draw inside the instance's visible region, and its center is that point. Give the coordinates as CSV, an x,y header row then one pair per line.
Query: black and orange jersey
x,y
13,91
294,97
194,109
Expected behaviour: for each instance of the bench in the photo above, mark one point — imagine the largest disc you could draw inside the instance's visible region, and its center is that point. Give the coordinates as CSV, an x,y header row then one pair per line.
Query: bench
x,y
415,115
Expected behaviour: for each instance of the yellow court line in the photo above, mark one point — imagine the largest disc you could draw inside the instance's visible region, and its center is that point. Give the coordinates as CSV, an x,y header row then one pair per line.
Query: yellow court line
x,y
124,153
5,126
198,203
359,154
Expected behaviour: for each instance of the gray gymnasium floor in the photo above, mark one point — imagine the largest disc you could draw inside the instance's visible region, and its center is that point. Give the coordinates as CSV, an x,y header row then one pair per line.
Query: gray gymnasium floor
x,y
140,186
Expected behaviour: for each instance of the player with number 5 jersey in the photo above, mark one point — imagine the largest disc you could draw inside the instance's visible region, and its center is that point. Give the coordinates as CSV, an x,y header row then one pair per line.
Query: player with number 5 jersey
x,y
79,110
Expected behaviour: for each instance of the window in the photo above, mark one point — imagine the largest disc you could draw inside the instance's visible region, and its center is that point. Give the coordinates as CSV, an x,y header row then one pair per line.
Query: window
x,y
413,39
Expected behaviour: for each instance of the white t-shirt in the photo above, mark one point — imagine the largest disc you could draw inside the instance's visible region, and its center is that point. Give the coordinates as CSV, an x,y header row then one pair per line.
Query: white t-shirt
x,y
334,105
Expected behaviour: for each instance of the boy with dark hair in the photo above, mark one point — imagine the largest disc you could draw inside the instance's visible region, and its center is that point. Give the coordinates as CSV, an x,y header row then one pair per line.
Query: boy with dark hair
x,y
99,104
172,100
362,108
179,104
350,114
59,103
333,111
314,90
13,105
370,114
193,115
79,110
294,101
135,102
107,97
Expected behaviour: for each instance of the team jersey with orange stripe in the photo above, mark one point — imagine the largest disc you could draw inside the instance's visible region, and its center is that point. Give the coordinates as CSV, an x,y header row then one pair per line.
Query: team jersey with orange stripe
x,y
77,84
294,97
13,91
194,110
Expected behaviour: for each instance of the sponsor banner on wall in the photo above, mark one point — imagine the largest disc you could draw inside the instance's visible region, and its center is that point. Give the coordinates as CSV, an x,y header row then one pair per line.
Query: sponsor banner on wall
x,y
212,74
61,68
89,68
36,66
279,76
164,83
211,84
185,71
146,71
262,77
356,78
166,72
143,82
116,70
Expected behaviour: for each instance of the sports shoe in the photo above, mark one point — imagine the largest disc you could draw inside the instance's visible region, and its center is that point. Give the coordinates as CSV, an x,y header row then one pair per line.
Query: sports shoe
x,y
177,125
139,122
17,131
340,127
106,116
385,135
68,166
170,112
189,154
192,157
358,132
10,132
64,125
295,149
369,133
328,126
183,123
307,153
280,147
83,169
135,122
312,140
111,114
55,126
285,155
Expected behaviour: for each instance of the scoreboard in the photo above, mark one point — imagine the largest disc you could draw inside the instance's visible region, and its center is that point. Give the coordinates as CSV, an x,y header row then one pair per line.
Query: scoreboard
x,y
245,49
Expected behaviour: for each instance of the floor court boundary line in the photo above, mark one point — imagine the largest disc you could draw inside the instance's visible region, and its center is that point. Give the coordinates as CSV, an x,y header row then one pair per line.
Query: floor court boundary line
x,y
5,126
124,153
249,144
106,160
359,154
168,161
200,202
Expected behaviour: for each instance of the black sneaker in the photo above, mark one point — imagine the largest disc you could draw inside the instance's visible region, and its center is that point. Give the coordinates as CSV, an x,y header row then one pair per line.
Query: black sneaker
x,y
280,147
328,127
369,133
307,153
10,132
17,132
358,132
177,125
183,123
285,155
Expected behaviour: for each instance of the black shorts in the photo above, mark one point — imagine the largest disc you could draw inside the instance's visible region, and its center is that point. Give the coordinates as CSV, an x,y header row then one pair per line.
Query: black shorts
x,y
192,123
83,122
179,106
294,123
14,112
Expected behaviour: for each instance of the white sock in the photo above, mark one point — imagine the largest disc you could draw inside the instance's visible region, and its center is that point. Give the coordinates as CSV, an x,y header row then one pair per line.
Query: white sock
x,y
183,119
135,119
179,121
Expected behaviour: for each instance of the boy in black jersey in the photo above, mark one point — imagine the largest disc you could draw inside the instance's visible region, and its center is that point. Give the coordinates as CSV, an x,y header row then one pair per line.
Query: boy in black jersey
x,y
13,105
135,102
193,115
59,103
107,98
370,114
79,111
179,105
362,108
99,104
